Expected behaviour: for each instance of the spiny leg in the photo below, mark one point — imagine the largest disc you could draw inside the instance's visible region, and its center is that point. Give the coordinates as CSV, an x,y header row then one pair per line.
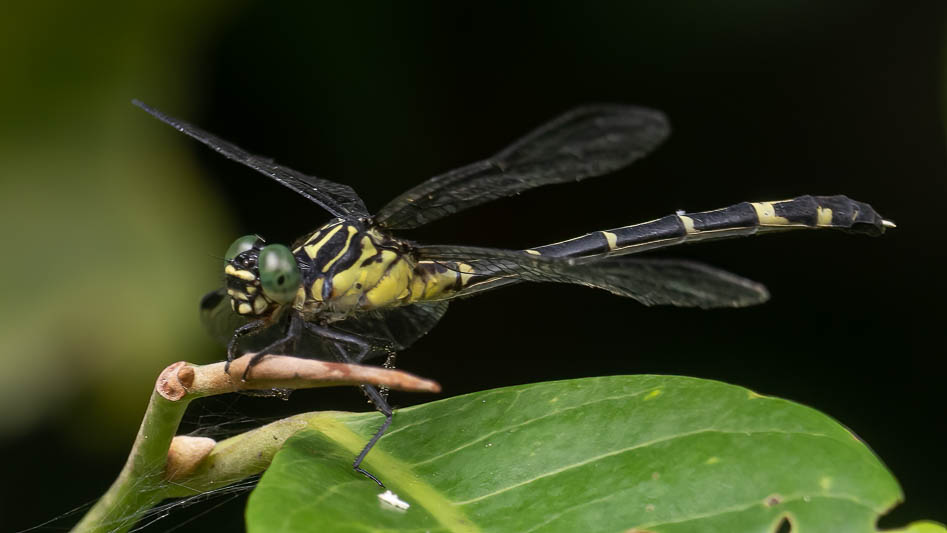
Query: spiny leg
x,y
374,396
292,333
389,364
382,405
244,330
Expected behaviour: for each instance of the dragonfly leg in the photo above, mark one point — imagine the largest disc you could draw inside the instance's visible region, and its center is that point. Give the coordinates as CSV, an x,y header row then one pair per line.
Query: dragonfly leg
x,y
362,343
242,331
390,365
382,405
292,333
362,347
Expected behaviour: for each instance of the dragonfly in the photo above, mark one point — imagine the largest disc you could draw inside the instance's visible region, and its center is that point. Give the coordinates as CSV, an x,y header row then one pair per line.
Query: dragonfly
x,y
351,290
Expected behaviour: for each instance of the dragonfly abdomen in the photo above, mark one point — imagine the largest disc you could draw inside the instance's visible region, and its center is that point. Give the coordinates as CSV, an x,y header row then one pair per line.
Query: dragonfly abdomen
x,y
437,280
746,218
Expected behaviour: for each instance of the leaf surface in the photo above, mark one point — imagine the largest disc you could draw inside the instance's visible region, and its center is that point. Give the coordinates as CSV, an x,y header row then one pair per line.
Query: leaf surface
x,y
623,454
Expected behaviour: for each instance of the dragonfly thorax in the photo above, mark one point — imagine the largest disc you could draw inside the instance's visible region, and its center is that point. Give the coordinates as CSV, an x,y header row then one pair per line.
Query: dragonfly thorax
x,y
350,266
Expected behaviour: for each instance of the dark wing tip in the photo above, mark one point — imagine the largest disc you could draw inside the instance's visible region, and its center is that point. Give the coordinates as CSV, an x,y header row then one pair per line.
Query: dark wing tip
x,y
175,123
212,299
657,118
148,109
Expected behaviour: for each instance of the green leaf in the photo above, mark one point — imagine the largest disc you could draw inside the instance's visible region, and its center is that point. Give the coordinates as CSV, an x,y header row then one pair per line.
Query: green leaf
x,y
628,453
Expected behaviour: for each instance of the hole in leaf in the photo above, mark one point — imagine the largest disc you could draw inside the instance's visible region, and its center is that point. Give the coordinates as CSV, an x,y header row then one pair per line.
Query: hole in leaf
x,y
785,526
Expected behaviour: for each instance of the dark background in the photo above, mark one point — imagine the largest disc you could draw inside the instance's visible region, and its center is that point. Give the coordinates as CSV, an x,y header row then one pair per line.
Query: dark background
x,y
768,100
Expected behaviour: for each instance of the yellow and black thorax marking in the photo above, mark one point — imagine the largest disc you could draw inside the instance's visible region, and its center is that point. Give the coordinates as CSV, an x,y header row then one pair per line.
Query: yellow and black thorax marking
x,y
349,266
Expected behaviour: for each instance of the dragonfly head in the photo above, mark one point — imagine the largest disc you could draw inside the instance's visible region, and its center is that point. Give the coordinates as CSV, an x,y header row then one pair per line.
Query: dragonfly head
x,y
260,277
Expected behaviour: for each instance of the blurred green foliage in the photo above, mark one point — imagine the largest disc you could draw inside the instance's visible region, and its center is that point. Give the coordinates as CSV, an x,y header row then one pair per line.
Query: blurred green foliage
x,y
108,236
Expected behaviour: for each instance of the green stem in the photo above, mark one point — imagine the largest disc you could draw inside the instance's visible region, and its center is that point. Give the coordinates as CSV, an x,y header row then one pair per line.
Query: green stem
x,y
141,484
162,466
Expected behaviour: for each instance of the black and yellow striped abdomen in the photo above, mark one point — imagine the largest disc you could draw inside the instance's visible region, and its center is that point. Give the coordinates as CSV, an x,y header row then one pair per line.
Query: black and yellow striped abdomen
x,y
746,218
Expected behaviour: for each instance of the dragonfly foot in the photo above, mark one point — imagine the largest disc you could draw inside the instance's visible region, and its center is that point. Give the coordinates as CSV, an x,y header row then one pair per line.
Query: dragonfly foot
x,y
369,475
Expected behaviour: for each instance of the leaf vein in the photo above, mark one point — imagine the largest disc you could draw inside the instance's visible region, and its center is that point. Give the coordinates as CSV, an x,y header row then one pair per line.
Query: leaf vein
x,y
625,450
552,413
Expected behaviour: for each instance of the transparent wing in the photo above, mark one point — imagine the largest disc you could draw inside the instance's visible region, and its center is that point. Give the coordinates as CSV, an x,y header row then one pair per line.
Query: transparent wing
x,y
386,331
218,317
649,281
394,329
339,200
585,142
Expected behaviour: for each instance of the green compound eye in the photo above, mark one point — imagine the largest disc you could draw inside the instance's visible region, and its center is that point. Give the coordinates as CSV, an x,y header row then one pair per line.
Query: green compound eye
x,y
279,273
241,245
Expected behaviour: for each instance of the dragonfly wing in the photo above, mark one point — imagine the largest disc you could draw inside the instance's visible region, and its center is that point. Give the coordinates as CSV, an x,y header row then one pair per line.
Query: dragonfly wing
x,y
218,317
386,331
339,200
585,142
649,281
395,329
383,332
